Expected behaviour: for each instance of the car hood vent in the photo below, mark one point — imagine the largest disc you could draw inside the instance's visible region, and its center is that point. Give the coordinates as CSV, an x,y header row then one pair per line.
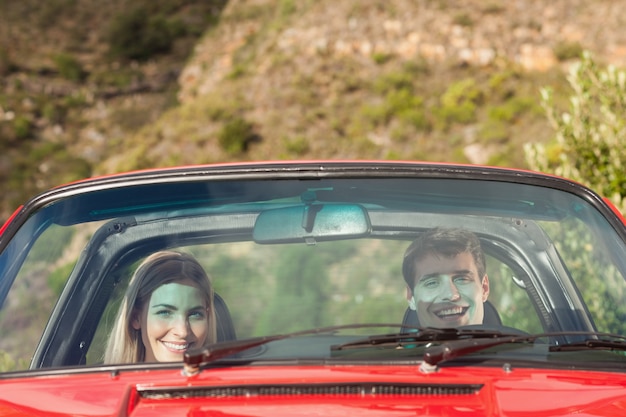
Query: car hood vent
x,y
335,390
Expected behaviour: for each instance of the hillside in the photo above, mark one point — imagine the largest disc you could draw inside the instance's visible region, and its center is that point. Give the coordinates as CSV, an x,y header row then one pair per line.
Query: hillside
x,y
454,80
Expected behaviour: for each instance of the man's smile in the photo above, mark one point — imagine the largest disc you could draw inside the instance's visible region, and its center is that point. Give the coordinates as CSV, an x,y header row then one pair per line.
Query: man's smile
x,y
451,312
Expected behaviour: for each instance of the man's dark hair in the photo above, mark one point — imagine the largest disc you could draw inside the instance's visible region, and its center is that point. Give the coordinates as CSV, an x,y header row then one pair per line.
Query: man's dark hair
x,y
448,242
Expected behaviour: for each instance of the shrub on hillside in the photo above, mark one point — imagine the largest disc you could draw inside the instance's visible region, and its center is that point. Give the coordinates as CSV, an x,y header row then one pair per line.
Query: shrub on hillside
x,y
459,103
590,139
567,50
589,148
69,67
236,135
139,35
6,65
23,127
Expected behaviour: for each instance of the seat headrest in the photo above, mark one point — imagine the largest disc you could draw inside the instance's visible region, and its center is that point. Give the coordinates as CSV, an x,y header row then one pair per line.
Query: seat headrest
x,y
223,320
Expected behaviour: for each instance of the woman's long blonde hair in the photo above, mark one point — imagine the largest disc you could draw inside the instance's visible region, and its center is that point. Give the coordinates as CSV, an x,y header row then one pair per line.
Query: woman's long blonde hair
x,y
125,344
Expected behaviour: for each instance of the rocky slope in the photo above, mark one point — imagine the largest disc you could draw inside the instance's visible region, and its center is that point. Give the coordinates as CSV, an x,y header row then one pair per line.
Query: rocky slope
x,y
454,80
301,72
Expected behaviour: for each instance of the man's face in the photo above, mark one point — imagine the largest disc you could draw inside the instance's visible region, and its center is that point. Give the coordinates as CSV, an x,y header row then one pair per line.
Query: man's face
x,y
448,291
172,321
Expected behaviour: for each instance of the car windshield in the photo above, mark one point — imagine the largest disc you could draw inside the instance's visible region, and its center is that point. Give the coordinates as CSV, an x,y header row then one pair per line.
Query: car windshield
x,y
286,254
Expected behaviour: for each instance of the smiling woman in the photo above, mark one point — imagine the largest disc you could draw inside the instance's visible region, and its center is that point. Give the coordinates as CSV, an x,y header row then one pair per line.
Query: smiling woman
x,y
167,309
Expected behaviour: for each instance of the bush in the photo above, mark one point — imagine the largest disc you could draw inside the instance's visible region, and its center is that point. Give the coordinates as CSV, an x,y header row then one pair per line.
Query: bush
x,y
22,127
236,135
6,66
459,103
589,148
512,109
53,112
463,19
381,58
69,67
8,363
298,145
568,50
589,143
138,35
494,131
407,107
394,81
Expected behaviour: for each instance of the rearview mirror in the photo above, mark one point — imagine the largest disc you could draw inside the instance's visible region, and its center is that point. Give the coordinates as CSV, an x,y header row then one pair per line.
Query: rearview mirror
x,y
311,222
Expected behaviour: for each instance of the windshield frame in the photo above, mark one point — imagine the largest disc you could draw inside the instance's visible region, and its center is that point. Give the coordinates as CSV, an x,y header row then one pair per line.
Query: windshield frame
x,y
37,215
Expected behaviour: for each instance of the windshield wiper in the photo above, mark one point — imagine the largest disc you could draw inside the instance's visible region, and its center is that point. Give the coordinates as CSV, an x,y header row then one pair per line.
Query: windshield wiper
x,y
427,334
454,343
433,355
619,344
194,360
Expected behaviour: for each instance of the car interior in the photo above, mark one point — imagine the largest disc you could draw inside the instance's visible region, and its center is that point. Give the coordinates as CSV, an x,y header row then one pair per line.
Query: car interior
x,y
107,262
258,217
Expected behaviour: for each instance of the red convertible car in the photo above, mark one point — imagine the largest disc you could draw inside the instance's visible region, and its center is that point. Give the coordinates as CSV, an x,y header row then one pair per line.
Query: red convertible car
x,y
314,288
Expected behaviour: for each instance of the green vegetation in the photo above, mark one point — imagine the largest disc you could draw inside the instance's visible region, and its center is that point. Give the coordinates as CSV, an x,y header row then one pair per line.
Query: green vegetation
x,y
589,263
463,19
381,57
71,70
459,103
22,127
117,81
8,363
301,281
6,66
138,35
409,108
511,300
297,146
236,135
54,164
151,28
568,50
32,297
588,147
590,135
69,67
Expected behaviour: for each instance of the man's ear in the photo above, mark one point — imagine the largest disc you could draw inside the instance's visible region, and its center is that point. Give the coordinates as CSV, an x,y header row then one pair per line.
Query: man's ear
x,y
410,298
485,285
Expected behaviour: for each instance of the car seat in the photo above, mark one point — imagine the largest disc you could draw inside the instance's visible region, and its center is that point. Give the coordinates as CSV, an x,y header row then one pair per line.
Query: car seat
x,y
224,322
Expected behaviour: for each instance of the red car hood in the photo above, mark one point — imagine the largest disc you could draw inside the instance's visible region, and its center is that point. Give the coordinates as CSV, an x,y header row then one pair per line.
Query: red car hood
x,y
319,391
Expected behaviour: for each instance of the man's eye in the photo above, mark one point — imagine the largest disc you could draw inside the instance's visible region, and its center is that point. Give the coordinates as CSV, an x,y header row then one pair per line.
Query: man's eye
x,y
463,279
430,283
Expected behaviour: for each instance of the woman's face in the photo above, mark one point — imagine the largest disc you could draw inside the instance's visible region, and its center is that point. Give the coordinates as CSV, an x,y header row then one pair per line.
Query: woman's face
x,y
174,319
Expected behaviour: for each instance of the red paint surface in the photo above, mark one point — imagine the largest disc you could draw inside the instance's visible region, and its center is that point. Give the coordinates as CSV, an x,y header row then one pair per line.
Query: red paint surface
x,y
520,392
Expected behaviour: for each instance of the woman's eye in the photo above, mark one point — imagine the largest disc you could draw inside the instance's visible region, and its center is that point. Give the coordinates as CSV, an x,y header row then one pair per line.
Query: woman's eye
x,y
197,315
164,313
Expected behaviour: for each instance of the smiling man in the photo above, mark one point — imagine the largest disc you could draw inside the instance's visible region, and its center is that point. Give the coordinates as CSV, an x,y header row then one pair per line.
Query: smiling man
x,y
446,278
